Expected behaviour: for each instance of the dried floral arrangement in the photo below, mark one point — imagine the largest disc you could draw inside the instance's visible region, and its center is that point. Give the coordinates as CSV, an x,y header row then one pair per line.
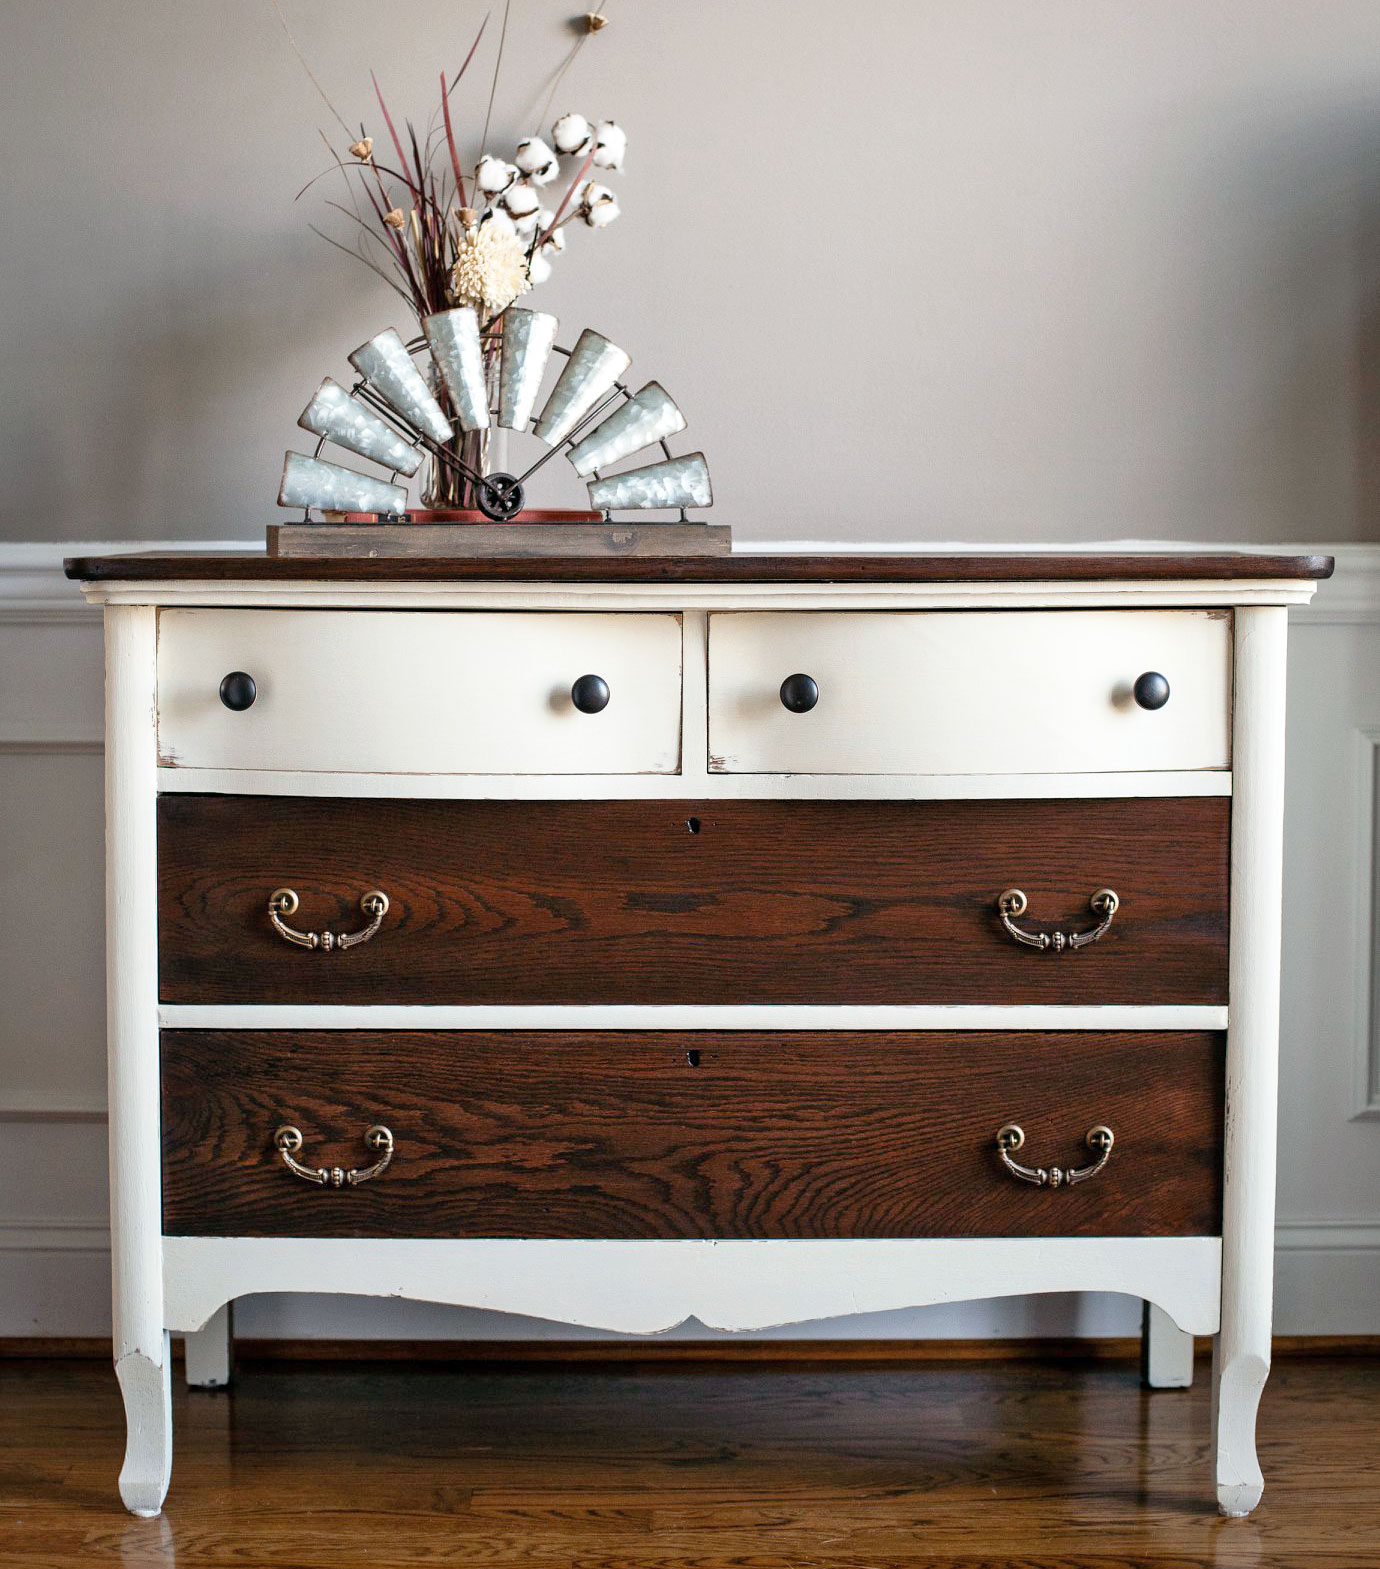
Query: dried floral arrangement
x,y
444,228
460,240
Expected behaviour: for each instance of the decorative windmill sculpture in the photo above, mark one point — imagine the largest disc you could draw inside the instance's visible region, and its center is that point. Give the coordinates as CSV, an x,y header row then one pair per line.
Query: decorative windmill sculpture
x,y
392,417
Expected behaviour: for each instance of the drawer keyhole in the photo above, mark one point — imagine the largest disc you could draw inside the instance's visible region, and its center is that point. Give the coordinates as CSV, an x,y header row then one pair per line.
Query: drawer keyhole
x,y
693,1057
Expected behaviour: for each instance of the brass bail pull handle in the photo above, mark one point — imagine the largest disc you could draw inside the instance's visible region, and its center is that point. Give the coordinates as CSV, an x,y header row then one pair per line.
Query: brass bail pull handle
x,y
1104,904
1010,1138
288,1142
284,901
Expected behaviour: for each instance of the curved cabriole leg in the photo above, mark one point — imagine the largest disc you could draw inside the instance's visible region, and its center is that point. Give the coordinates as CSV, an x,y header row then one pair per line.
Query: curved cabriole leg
x,y
146,1387
1241,1351
1237,1383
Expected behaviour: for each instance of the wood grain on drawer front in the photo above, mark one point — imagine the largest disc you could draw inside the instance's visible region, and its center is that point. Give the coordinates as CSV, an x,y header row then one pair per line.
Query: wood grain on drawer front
x,y
661,1135
692,902
419,691
969,692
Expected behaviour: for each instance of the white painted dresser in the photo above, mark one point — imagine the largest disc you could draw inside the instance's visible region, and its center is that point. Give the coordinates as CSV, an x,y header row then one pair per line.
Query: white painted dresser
x,y
759,939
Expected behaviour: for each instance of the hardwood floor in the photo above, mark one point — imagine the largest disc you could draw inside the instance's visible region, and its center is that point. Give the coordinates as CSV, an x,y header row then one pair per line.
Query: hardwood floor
x,y
691,1466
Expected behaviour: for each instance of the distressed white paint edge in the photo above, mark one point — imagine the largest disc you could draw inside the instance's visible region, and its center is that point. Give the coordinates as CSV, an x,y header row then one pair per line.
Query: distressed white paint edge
x,y
1241,1352
617,1016
140,1341
696,786
694,776
648,1287
1366,1024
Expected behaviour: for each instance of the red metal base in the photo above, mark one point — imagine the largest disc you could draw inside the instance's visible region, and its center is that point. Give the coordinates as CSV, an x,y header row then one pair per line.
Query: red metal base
x,y
531,515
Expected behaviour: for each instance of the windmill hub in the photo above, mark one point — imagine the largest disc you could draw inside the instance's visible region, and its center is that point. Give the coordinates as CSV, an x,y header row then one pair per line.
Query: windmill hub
x,y
498,496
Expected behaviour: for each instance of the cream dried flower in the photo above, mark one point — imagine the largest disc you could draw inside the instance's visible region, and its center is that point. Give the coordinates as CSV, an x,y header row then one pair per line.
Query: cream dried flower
x,y
490,269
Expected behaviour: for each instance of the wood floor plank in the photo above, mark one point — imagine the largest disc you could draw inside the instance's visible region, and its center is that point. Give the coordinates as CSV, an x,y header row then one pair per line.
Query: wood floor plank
x,y
984,1466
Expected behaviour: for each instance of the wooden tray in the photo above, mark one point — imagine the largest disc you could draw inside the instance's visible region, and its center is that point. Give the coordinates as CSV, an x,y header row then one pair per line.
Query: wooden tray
x,y
496,541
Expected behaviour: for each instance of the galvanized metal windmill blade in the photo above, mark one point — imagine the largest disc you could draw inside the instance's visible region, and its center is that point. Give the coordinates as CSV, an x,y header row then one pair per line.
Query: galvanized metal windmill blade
x,y
393,417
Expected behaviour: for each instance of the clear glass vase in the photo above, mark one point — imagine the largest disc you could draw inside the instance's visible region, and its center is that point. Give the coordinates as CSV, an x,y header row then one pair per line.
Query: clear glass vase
x,y
445,487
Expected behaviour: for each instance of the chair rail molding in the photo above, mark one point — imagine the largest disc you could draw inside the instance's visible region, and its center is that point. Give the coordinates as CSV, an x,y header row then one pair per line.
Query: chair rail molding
x,y
54,1239
34,592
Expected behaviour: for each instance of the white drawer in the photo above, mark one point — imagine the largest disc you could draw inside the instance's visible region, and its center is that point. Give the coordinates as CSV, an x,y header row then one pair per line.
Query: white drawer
x,y
973,692
419,691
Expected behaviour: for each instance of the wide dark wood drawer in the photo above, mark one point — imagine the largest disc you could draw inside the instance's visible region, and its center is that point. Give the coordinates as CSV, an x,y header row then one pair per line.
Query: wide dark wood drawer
x,y
692,902
660,1134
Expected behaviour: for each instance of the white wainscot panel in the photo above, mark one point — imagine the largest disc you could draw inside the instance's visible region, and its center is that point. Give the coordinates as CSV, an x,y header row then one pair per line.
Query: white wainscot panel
x,y
1329,1165
51,680
52,959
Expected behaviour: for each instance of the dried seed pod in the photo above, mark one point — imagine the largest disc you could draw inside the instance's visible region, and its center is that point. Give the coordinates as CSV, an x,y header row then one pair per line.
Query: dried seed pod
x,y
395,218
572,135
363,149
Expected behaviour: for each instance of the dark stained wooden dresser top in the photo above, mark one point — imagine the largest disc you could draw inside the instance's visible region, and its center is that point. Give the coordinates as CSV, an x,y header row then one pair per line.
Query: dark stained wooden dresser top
x,y
944,567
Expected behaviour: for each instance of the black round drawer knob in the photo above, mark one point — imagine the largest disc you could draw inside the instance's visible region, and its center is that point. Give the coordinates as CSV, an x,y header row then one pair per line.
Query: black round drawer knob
x,y
590,694
799,693
1151,690
237,691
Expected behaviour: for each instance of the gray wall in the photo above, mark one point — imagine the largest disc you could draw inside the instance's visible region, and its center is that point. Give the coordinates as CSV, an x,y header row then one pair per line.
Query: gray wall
x,y
950,269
